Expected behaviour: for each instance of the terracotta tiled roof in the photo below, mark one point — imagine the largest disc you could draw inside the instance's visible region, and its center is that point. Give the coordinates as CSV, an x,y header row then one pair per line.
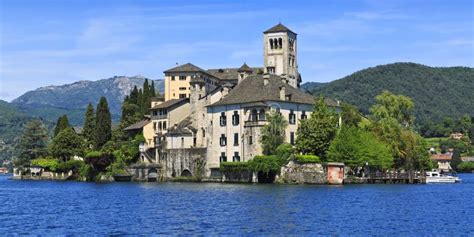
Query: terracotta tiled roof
x,y
442,157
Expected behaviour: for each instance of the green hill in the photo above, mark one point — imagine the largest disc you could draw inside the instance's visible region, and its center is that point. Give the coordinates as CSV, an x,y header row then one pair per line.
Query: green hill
x,y
438,92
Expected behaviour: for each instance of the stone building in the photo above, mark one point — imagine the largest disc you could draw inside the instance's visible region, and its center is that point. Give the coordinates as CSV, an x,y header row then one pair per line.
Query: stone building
x,y
215,115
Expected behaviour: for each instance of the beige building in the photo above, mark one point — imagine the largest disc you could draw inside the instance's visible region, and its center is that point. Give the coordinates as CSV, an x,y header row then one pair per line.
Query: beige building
x,y
215,115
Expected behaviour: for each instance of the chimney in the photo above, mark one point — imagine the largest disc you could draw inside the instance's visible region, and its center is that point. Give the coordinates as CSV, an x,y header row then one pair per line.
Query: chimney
x,y
282,93
266,78
225,89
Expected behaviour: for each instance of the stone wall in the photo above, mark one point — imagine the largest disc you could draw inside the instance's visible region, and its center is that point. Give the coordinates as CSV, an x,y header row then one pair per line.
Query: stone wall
x,y
184,162
302,174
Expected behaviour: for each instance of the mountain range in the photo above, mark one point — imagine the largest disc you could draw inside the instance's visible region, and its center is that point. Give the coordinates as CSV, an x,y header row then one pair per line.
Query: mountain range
x,y
50,102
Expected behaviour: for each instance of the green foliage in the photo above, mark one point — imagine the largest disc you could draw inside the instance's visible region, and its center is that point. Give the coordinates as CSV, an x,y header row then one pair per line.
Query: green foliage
x,y
71,165
307,159
32,143
103,126
391,106
273,133
66,145
61,124
350,115
266,164
413,154
315,134
234,167
356,147
465,166
284,151
88,129
437,92
98,160
48,163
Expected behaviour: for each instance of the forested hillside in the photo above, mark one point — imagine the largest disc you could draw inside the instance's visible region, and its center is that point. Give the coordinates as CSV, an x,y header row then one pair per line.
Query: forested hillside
x,y
438,92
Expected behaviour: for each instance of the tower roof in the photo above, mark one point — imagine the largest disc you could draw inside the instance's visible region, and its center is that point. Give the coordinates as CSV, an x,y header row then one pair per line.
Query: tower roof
x,y
245,68
279,28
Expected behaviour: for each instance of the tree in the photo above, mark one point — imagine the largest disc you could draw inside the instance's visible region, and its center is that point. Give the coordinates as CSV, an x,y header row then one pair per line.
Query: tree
x,y
88,129
32,143
413,154
66,145
134,96
398,107
103,125
273,133
356,147
152,89
350,115
316,133
61,124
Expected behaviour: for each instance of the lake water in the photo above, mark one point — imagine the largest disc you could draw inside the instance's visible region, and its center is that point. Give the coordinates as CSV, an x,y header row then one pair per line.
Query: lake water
x,y
51,208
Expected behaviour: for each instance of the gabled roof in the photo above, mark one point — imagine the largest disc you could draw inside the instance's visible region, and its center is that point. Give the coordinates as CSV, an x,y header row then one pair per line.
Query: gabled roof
x,y
278,28
137,125
252,89
170,103
188,67
245,68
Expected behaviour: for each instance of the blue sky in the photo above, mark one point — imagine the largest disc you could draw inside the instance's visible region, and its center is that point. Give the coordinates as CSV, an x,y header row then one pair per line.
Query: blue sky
x,y
57,42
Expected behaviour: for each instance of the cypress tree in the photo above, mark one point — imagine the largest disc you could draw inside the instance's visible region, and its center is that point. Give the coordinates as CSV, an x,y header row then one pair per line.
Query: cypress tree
x,y
134,96
61,124
103,124
89,125
152,89
141,101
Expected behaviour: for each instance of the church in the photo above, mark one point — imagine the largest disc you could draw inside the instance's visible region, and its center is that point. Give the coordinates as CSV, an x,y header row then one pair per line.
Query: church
x,y
209,116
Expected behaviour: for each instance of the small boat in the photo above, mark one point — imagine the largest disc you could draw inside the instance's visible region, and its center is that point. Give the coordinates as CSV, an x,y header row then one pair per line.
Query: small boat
x,y
437,177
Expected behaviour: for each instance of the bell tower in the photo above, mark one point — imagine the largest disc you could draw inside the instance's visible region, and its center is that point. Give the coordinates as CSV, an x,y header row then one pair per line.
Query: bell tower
x,y
280,54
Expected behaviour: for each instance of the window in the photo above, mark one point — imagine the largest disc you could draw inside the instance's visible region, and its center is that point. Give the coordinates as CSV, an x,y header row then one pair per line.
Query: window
x,y
223,140
173,78
155,113
182,88
292,138
250,140
164,124
261,115
182,96
154,126
194,141
236,157
303,115
182,142
292,117
235,118
280,43
223,158
160,127
253,115
203,132
223,120
182,78
236,139
271,70
271,43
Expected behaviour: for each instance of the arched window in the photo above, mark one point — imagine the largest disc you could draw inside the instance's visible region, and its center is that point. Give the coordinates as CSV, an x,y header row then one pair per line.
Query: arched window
x,y
271,43
253,115
280,43
261,115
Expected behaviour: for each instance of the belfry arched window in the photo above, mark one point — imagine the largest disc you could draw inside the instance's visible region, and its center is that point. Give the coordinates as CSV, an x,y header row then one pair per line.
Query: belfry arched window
x,y
280,43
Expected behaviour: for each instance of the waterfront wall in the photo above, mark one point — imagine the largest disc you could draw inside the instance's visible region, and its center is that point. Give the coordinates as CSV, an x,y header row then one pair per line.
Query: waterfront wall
x,y
330,173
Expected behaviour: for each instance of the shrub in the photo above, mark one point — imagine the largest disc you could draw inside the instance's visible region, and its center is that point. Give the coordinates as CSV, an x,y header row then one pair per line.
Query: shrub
x,y
234,167
306,159
466,166
266,164
284,150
